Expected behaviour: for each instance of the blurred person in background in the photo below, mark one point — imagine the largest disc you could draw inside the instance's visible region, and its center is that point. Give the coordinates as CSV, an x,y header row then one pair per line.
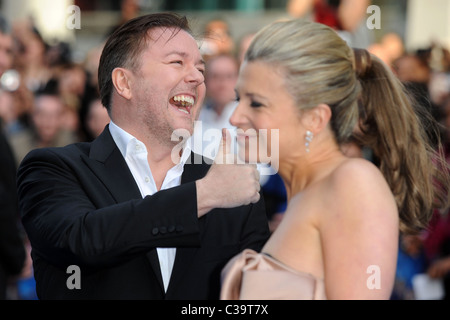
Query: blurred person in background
x,y
347,17
15,107
426,252
46,127
12,249
439,60
96,119
220,80
388,49
411,261
436,247
30,56
410,68
72,80
73,85
217,39
90,65
415,72
129,9
436,242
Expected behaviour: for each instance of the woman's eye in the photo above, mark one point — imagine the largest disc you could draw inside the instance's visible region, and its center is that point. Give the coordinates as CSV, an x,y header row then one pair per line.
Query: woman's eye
x,y
255,104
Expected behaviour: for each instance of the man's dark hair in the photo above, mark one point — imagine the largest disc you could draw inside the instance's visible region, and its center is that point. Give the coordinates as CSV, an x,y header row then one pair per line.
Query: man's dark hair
x,y
125,45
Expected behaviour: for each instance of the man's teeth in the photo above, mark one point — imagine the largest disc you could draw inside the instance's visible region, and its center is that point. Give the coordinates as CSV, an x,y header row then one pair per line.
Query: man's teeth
x,y
185,100
183,110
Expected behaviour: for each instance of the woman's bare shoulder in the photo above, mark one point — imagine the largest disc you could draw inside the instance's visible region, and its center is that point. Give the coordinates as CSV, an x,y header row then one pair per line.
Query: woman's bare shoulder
x,y
358,183
357,167
357,173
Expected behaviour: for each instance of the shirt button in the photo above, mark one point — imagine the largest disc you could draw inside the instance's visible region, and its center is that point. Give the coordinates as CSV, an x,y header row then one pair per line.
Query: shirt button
x,y
138,147
147,179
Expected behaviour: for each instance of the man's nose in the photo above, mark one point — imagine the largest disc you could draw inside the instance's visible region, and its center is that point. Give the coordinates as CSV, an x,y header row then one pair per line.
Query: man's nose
x,y
194,75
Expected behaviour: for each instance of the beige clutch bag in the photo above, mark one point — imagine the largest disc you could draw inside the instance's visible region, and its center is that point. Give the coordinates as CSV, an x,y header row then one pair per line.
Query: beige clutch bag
x,y
255,276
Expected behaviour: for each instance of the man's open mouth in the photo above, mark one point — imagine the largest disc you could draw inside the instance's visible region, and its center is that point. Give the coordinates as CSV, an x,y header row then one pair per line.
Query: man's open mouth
x,y
183,103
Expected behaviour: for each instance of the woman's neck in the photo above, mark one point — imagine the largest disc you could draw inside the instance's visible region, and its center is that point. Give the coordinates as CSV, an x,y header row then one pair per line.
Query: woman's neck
x,y
300,172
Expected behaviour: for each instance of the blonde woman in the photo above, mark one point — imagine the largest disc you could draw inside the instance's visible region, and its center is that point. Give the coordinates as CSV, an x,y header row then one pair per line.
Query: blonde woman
x,y
338,238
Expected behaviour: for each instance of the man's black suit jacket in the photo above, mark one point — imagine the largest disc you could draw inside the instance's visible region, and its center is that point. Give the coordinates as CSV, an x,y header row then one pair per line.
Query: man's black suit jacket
x,y
81,206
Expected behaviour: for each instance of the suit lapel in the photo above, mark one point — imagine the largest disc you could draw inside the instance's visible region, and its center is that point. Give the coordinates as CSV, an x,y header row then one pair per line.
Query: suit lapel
x,y
194,169
108,164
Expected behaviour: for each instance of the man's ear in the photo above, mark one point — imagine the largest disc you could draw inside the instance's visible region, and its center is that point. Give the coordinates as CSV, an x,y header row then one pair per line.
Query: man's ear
x,y
121,81
317,119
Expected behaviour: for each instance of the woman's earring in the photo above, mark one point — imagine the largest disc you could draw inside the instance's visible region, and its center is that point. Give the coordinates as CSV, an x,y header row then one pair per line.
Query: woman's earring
x,y
309,138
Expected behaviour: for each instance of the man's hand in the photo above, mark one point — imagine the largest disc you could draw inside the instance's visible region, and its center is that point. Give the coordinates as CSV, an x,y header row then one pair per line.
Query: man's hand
x,y
227,184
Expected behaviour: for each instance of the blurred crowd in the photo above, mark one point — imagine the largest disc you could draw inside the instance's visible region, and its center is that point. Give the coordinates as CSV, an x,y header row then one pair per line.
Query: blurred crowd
x,y
48,100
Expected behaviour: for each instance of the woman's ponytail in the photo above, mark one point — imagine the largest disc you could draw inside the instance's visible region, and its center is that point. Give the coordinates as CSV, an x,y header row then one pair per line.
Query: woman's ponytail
x,y
397,131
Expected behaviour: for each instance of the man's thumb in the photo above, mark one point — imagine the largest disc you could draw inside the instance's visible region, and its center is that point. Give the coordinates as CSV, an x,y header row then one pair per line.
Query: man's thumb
x,y
224,148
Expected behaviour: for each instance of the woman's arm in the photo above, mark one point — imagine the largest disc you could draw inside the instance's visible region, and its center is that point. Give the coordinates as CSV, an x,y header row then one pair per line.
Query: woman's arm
x,y
359,233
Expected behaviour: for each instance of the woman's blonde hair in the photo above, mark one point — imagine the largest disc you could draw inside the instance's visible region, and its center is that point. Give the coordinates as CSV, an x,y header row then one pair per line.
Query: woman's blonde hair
x,y
368,103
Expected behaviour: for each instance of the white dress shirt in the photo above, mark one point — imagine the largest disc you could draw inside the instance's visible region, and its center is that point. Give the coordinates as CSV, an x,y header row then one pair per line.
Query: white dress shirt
x,y
135,155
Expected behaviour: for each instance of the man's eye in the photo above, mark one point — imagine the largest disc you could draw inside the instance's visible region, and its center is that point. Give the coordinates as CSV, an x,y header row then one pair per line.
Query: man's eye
x,y
177,62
